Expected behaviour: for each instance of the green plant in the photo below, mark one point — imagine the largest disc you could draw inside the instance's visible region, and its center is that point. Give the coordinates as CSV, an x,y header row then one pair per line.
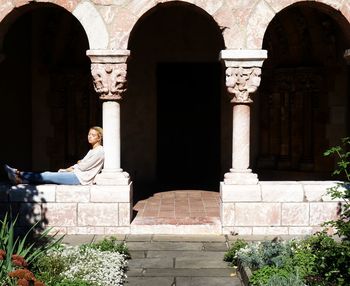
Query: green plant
x,y
17,251
342,189
332,260
291,279
82,265
230,255
111,244
275,276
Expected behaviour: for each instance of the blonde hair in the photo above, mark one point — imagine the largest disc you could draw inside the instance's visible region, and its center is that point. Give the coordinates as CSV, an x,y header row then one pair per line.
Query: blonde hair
x,y
99,130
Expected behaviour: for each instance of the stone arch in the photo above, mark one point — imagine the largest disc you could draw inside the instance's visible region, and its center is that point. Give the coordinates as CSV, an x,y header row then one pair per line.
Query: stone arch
x,y
86,13
133,11
45,75
302,103
174,49
264,12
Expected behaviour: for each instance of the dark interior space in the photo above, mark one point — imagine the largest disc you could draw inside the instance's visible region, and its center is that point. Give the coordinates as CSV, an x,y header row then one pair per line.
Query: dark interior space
x,y
48,100
302,106
172,113
188,129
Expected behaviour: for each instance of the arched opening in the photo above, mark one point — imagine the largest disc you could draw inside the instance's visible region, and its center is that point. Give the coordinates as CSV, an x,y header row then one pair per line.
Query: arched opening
x,y
303,103
173,110
47,96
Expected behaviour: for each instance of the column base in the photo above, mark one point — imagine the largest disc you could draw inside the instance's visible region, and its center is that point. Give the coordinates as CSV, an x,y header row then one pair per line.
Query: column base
x,y
112,177
241,177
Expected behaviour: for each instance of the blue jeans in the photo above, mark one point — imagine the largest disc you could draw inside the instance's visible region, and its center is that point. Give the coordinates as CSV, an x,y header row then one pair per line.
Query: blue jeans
x,y
60,178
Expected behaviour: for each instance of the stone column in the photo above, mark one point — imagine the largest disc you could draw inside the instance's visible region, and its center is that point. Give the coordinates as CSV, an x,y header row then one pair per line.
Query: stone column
x,y
109,68
243,70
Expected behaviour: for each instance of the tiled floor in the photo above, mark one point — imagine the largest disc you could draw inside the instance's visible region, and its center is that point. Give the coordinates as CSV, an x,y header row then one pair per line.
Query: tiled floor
x,y
180,207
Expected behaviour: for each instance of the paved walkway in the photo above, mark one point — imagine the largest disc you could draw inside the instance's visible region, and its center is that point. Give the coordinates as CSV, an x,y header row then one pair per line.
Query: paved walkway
x,y
178,212
168,260
177,207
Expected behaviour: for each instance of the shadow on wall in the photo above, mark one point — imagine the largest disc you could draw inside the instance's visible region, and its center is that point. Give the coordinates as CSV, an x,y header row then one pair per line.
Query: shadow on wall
x,y
25,203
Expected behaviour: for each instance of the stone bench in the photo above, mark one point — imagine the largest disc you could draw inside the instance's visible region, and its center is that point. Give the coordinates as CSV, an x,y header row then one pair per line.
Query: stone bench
x,y
276,207
70,209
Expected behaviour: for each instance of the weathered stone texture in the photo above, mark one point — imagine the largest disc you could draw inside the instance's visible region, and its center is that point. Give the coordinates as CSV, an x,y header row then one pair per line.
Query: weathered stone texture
x,y
257,24
321,212
282,193
98,214
270,230
228,214
258,214
60,214
295,214
76,194
240,193
110,194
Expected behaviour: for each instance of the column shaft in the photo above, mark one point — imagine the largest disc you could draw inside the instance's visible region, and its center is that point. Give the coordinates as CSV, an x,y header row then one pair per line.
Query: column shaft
x,y
111,140
240,138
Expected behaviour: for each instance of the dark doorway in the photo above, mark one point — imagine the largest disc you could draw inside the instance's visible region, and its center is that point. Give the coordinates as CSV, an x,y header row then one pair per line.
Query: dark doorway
x,y
303,96
188,129
172,115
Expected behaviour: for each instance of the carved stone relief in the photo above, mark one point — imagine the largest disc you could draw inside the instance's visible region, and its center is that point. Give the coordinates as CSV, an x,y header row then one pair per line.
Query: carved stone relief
x,y
241,82
109,80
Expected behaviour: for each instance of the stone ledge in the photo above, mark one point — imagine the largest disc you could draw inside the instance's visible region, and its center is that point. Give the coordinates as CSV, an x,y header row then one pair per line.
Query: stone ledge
x,y
282,193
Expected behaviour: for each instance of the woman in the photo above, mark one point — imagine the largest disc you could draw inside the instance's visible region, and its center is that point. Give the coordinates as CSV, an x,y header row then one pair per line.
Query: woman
x,y
82,173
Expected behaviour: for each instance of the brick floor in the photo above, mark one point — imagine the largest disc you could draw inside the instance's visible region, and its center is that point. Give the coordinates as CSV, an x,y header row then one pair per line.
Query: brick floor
x,y
180,207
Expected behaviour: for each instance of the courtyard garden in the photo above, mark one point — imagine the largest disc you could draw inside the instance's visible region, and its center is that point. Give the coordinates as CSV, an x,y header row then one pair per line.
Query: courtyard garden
x,y
321,259
47,261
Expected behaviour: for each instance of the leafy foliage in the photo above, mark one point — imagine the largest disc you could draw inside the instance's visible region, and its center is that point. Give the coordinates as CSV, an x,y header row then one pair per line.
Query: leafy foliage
x,y
111,244
230,255
95,264
342,189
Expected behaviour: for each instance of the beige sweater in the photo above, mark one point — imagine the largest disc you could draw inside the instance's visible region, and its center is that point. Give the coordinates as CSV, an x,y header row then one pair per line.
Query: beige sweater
x,y
87,169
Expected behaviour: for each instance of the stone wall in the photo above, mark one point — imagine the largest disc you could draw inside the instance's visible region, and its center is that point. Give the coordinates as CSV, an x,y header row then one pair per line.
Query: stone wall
x,y
276,208
71,209
108,23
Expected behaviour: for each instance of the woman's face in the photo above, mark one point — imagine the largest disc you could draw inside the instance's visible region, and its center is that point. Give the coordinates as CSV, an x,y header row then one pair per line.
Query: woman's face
x,y
93,137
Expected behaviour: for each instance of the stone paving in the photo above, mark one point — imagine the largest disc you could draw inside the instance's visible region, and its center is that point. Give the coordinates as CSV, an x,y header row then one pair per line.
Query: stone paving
x,y
168,260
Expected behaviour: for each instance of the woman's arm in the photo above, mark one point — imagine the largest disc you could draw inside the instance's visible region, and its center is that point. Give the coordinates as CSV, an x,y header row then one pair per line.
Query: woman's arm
x,y
90,161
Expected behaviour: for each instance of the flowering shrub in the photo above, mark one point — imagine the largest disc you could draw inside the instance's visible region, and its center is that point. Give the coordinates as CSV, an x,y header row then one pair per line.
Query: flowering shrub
x,y
316,261
85,264
19,275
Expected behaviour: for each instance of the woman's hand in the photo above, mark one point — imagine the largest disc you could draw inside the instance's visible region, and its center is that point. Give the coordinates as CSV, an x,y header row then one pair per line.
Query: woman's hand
x,y
69,169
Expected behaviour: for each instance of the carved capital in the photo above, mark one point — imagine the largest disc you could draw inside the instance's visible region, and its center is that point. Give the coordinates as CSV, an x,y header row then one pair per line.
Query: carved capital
x,y
243,72
241,82
109,71
109,80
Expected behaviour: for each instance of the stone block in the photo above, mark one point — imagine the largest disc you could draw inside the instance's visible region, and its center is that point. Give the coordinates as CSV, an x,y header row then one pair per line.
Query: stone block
x,y
85,230
124,214
60,214
113,230
240,193
273,230
98,214
317,192
72,194
158,262
257,214
295,214
29,193
58,230
282,192
228,214
321,212
237,230
111,194
301,230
